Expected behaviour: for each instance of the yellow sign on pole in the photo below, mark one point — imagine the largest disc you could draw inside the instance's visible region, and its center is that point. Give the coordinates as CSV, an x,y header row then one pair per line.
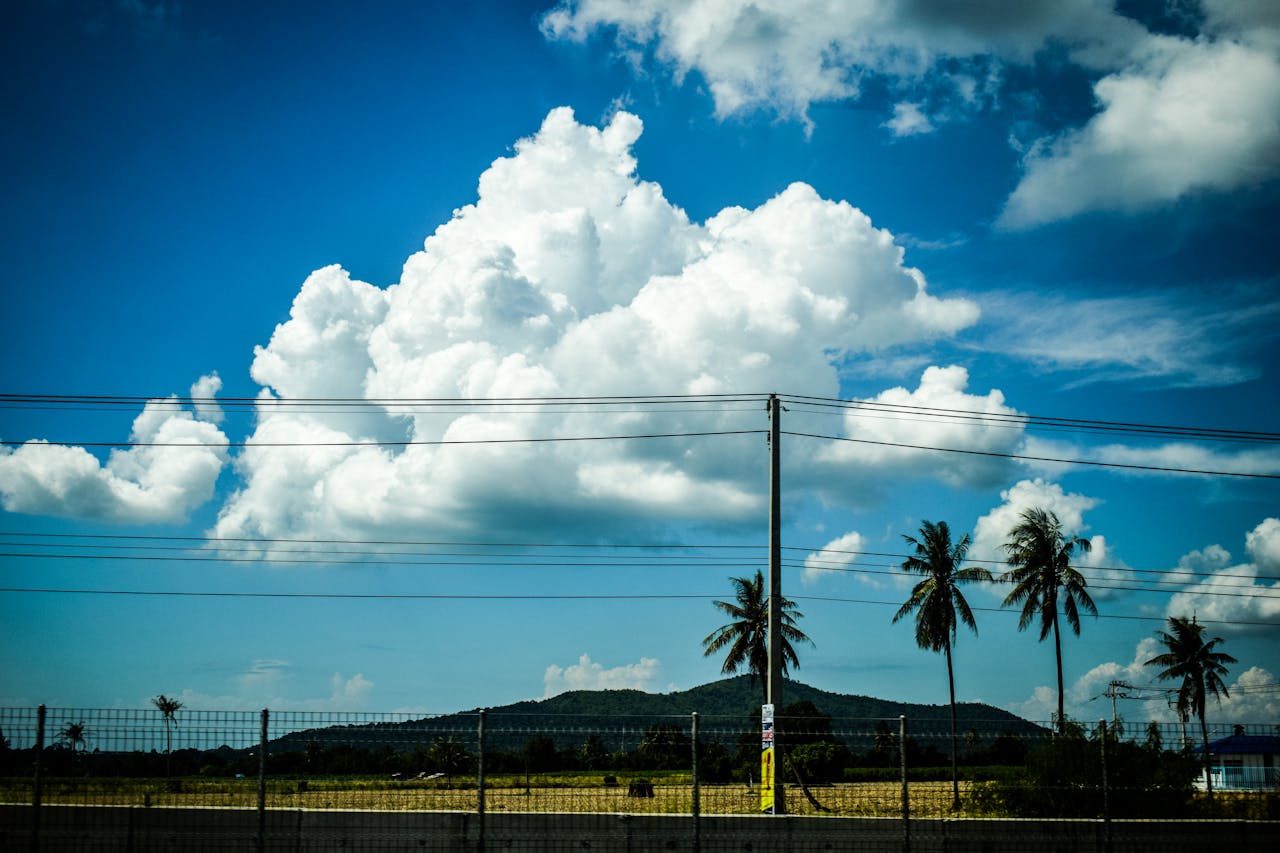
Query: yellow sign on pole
x,y
766,759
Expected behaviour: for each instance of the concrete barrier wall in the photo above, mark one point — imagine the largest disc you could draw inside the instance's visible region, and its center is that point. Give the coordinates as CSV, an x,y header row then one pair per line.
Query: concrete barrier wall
x,y
119,828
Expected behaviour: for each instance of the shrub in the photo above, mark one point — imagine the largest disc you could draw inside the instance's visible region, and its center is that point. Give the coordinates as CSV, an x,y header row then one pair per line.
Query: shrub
x,y
1063,778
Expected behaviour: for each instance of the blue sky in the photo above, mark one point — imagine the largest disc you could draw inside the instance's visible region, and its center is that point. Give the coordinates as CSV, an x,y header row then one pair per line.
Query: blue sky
x,y
1026,210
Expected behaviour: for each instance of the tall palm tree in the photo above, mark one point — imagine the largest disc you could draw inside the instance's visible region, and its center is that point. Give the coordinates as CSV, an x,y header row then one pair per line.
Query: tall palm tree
x,y
939,606
1040,554
1201,669
747,637
168,707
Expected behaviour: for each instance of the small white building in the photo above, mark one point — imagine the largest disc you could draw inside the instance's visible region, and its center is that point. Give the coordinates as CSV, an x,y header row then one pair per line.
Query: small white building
x,y
1243,762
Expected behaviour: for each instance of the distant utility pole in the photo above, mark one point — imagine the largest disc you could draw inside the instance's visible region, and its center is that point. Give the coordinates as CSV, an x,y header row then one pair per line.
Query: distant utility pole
x,y
1116,689
774,682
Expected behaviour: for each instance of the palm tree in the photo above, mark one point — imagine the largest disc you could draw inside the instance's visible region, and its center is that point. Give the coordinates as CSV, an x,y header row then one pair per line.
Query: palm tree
x,y
74,735
1040,554
939,606
168,707
747,637
1201,669
449,756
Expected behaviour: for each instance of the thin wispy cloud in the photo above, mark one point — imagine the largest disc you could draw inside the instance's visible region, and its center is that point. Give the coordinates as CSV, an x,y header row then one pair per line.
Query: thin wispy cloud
x,y
1167,339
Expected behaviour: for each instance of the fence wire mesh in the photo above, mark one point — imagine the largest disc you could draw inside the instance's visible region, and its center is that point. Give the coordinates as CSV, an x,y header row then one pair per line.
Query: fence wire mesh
x,y
78,778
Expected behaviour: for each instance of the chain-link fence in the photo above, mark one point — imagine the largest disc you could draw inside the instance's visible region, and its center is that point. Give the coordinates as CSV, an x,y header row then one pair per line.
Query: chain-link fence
x,y
71,778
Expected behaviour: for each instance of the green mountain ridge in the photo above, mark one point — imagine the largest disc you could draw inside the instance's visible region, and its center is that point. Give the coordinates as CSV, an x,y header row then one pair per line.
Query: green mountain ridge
x,y
620,716
739,697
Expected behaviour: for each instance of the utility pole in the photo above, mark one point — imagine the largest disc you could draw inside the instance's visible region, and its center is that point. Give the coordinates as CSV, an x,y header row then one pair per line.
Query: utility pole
x,y
774,681
1112,691
1116,689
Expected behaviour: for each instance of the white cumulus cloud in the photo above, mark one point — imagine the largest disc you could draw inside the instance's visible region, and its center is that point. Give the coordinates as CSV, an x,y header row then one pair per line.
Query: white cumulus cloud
x,y
586,674
1175,115
1101,567
1234,595
569,275
837,556
909,120
156,480
1188,116
273,683
893,431
784,55
1252,697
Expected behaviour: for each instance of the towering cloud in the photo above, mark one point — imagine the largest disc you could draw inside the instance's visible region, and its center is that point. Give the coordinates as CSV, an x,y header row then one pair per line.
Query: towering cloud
x,y
569,275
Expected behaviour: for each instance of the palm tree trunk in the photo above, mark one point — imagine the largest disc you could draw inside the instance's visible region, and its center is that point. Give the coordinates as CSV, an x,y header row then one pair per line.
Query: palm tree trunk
x,y
1057,650
1204,739
955,773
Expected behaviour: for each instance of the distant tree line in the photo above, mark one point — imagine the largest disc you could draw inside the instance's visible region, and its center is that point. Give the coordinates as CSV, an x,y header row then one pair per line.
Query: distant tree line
x,y
817,753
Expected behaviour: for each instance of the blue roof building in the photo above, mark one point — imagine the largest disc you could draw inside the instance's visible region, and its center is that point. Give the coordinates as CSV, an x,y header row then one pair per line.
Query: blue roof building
x,y
1244,762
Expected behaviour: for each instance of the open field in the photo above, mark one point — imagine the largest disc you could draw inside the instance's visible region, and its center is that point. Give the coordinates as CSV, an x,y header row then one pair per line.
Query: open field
x,y
673,795
561,793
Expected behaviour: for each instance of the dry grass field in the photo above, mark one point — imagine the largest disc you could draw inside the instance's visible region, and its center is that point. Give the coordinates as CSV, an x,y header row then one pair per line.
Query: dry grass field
x,y
869,799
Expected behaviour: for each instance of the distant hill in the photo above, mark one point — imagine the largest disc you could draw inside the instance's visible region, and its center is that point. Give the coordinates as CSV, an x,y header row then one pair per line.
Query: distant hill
x,y
620,717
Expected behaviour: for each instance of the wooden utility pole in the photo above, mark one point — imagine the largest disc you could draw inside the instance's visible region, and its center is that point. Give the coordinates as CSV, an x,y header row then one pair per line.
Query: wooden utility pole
x,y
774,682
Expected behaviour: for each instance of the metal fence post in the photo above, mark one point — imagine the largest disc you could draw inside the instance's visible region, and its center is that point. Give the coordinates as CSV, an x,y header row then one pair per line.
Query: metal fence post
x,y
697,801
480,781
262,782
37,781
1106,788
906,793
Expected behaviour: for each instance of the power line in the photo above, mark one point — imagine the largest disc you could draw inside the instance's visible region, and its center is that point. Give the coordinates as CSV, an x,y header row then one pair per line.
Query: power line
x,y
407,596
579,560
1252,592
248,443
412,542
1097,582
530,559
995,563
531,553
370,402
1017,418
656,401
137,593
1016,612
1013,419
213,558
992,453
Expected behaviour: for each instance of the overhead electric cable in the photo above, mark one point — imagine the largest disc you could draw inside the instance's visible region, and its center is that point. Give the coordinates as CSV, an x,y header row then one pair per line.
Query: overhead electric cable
x,y
996,563
992,453
376,402
523,597
292,561
412,542
1017,612
1022,418
408,596
14,400
378,443
535,553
